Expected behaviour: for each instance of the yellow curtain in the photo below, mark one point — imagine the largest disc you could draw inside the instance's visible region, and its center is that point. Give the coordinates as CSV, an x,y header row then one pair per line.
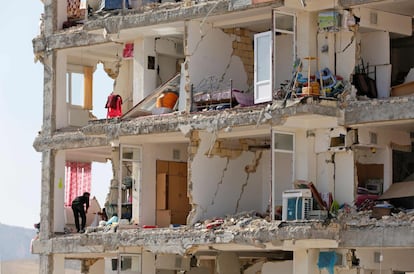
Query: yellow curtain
x,y
87,86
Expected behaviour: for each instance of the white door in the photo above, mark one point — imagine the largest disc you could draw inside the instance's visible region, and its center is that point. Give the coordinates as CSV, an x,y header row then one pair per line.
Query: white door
x,y
263,67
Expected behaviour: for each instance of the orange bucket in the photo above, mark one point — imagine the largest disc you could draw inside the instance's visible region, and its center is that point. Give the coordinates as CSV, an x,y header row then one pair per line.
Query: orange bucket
x,y
167,100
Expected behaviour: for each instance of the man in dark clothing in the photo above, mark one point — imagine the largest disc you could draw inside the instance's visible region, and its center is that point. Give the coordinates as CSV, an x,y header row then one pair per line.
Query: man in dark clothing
x,y
80,207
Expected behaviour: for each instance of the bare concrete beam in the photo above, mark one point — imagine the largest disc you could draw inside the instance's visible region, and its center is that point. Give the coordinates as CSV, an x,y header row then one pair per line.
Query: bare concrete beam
x,y
378,237
83,36
205,120
181,241
64,40
393,109
68,141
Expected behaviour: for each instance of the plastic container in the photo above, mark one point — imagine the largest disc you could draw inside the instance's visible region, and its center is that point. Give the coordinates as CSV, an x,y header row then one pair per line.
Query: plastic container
x,y
167,100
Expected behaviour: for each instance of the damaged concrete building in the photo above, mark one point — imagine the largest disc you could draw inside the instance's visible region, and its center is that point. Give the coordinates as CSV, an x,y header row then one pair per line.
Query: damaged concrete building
x,y
254,136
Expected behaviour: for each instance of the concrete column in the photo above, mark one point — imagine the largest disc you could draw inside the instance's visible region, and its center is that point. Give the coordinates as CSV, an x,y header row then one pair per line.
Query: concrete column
x,y
47,208
46,264
58,264
50,14
59,192
305,261
228,263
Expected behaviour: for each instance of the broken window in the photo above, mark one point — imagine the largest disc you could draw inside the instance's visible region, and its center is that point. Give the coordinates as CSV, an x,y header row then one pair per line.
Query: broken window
x,y
79,86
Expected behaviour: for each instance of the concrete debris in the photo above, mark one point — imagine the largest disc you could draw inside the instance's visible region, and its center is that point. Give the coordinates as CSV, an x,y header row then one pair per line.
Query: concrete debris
x,y
364,218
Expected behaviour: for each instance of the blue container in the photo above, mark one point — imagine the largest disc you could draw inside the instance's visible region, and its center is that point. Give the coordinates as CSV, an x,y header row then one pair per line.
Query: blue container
x,y
113,4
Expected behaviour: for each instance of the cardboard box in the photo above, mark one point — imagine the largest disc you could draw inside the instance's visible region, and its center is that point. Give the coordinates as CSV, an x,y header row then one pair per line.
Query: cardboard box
x,y
378,212
163,218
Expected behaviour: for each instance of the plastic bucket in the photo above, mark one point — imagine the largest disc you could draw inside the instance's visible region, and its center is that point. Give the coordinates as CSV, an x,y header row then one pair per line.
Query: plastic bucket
x,y
167,100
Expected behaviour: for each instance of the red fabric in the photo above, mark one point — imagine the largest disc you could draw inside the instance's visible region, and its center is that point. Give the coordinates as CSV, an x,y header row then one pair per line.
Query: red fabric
x,y
114,106
77,180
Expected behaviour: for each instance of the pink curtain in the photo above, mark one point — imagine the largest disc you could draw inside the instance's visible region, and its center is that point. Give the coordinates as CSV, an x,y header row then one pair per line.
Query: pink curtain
x,y
77,180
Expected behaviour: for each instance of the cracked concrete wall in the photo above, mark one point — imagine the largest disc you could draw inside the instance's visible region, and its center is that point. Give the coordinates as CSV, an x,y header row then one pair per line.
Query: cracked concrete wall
x,y
224,185
243,48
212,50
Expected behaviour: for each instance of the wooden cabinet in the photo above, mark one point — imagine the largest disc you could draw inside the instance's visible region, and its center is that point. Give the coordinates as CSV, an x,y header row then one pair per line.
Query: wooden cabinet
x,y
172,200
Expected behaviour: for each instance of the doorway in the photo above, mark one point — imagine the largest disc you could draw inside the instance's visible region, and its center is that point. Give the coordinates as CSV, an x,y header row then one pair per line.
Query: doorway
x,y
172,203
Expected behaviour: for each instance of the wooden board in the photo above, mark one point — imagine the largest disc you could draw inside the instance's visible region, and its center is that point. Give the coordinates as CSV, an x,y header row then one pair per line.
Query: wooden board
x,y
163,218
177,169
161,191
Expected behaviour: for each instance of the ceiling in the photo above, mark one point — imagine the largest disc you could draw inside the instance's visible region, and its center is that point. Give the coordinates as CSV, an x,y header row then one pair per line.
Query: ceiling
x,y
403,7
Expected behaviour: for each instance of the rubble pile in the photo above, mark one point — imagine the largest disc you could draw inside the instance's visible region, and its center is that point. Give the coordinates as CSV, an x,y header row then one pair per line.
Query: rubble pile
x,y
364,218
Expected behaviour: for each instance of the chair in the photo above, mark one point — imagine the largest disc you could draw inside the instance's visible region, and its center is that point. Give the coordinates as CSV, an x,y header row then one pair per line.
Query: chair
x,y
328,79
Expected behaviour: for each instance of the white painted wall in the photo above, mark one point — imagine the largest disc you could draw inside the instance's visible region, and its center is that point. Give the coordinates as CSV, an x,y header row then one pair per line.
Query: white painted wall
x,y
384,136
305,261
281,267
305,157
378,57
62,14
340,48
58,263
61,106
168,68
151,153
307,38
325,172
220,183
344,177
144,80
385,21
148,263
98,267
59,192
345,58
209,51
168,47
395,259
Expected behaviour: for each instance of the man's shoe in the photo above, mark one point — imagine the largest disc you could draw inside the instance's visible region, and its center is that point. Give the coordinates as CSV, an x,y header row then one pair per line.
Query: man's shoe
x,y
82,231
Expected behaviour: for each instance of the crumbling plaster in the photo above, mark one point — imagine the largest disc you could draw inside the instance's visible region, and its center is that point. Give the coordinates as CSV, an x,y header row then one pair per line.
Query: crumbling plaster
x,y
371,111
184,240
212,49
220,185
102,132
92,31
